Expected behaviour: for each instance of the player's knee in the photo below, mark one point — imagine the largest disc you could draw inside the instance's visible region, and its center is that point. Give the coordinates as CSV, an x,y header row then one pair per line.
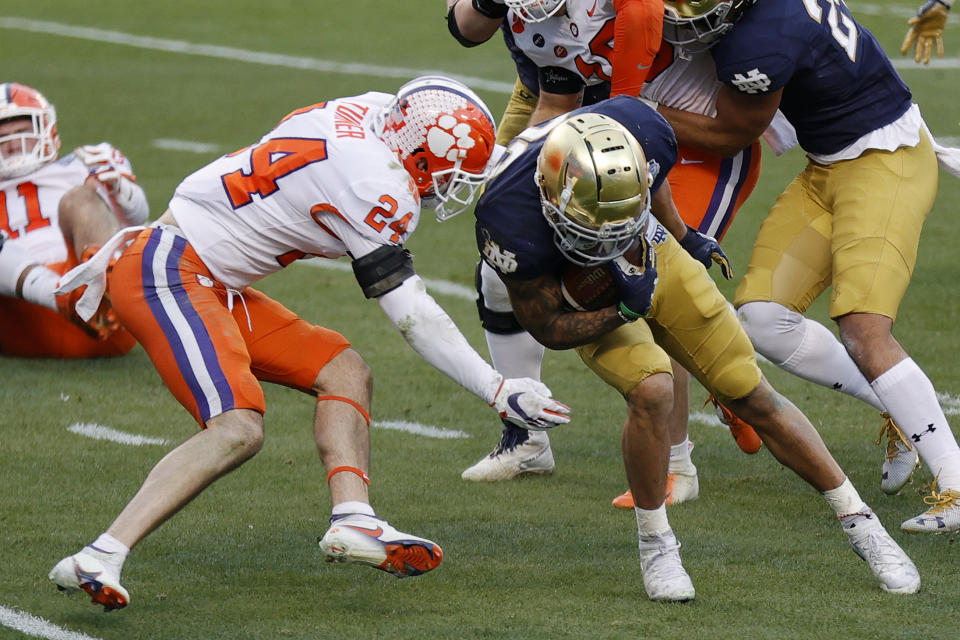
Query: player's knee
x,y
774,330
347,375
652,398
239,432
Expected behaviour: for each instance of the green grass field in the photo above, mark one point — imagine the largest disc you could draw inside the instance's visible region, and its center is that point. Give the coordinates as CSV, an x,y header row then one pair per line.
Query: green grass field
x,y
534,558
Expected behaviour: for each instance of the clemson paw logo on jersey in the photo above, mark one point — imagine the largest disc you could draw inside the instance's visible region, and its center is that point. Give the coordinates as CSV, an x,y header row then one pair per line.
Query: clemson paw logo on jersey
x,y
449,138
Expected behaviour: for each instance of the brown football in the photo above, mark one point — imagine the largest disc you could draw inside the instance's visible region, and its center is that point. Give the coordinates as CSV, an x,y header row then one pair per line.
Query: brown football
x,y
592,288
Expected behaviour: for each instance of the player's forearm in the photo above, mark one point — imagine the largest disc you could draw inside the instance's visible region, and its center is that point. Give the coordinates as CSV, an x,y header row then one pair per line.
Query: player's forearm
x,y
637,34
706,133
433,335
469,26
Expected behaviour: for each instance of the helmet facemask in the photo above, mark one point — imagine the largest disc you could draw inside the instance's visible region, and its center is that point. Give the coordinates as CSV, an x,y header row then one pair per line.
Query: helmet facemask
x,y
535,10
696,25
38,145
594,188
444,136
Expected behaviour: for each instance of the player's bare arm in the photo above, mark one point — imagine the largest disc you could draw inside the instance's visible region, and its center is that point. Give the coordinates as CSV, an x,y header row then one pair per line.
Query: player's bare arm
x,y
740,120
469,26
665,211
538,305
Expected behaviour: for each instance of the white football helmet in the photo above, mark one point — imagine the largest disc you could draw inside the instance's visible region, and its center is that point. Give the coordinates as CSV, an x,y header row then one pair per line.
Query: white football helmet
x,y
535,10
444,135
594,188
696,25
37,146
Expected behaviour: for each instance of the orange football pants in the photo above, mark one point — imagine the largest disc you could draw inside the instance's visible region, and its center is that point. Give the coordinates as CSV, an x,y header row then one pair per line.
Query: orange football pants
x,y
209,356
708,189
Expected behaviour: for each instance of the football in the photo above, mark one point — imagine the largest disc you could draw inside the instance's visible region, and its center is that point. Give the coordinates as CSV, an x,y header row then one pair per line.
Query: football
x,y
592,288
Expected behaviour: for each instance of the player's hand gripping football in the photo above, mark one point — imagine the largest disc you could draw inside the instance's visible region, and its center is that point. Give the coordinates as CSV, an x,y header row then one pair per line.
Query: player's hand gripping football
x,y
926,30
636,283
529,404
706,251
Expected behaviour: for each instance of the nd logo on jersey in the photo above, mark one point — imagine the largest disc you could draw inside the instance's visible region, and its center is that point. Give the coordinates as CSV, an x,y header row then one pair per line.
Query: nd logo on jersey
x,y
754,82
503,261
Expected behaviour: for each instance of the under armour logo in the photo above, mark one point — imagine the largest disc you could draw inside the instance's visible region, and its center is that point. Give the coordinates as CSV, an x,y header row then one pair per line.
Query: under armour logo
x,y
753,82
916,436
504,261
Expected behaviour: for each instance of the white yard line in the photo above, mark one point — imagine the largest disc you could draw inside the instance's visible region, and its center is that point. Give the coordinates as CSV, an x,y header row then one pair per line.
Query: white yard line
x,y
421,429
100,432
186,145
37,627
444,287
239,55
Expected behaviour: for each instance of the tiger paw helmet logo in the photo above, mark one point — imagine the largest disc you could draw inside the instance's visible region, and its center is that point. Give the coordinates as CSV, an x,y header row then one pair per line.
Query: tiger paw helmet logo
x,y
450,138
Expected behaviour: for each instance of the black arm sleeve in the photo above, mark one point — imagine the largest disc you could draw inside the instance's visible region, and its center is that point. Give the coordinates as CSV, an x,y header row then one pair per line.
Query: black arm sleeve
x,y
383,270
455,29
559,80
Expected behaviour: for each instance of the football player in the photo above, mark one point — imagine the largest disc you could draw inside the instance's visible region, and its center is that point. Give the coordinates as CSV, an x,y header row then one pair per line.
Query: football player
x,y
53,213
579,190
573,65
345,177
852,218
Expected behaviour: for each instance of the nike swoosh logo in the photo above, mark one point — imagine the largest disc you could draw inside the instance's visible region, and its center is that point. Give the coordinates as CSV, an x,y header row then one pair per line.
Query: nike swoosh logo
x,y
685,161
592,9
373,533
515,405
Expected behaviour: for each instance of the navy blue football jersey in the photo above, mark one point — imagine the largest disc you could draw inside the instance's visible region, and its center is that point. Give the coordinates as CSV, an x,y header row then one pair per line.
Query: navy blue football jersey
x,y
512,234
838,84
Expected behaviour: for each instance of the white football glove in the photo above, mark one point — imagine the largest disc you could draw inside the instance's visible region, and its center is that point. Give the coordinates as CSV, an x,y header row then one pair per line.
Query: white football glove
x,y
529,404
116,183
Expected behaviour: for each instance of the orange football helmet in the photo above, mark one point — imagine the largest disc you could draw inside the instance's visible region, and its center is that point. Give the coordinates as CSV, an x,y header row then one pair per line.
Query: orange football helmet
x,y
444,136
38,146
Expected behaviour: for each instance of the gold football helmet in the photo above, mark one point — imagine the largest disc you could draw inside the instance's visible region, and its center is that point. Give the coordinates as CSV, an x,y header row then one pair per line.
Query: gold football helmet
x,y
594,188
696,25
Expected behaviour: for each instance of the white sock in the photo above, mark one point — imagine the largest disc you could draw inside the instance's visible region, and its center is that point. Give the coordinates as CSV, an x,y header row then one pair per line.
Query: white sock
x,y
39,285
845,499
805,348
651,522
353,506
110,550
515,355
680,461
911,400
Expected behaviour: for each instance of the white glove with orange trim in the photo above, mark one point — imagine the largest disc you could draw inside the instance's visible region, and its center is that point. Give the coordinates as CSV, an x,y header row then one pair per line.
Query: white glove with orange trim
x,y
115,182
529,404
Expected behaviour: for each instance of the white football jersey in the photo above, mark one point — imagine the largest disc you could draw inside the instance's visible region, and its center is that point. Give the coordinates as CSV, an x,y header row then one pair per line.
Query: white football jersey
x,y
579,40
688,84
321,183
29,207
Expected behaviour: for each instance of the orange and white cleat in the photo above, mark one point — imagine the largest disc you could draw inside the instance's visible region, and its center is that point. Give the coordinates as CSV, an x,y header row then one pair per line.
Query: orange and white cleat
x,y
681,487
747,439
83,570
368,540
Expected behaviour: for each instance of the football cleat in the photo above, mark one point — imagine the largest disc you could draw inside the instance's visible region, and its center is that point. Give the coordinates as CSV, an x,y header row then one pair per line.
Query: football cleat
x,y
681,487
943,516
664,578
84,570
888,562
511,459
368,540
900,460
746,437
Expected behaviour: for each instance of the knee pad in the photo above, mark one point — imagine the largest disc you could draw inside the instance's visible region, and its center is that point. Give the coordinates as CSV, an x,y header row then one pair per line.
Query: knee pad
x,y
775,331
493,302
